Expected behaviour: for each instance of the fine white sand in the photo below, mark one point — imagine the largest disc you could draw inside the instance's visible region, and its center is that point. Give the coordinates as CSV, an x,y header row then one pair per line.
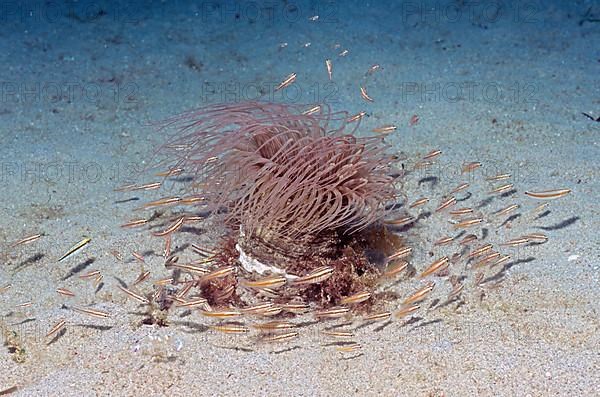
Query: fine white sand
x,y
80,83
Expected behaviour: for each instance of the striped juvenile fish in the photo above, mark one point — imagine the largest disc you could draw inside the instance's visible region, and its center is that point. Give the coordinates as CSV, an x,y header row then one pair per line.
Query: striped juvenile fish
x,y
164,281
468,239
393,269
455,258
540,208
176,299
401,221
142,277
443,241
406,310
450,201
167,249
147,186
502,260
297,308
76,248
365,95
469,167
224,293
125,188
318,275
486,259
516,241
190,268
286,82
221,313
418,202
202,251
171,228
188,200
56,327
274,326
432,154
133,187
414,120
549,194
456,290
134,223
329,66
349,348
270,311
90,274
138,256
161,202
478,278
187,287
268,292
460,188
196,302
507,210
480,250
280,337
436,266
65,292
202,261
502,189
420,294
267,282
468,223
356,117
91,312
257,309
311,111
461,211
537,237
170,261
135,295
356,298
385,129
231,328
338,334
170,172
334,312
401,253
117,255
499,177
377,316
26,240
423,164
219,273
372,69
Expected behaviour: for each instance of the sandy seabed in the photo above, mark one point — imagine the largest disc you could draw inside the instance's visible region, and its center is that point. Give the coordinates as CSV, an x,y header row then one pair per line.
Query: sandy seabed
x,y
80,82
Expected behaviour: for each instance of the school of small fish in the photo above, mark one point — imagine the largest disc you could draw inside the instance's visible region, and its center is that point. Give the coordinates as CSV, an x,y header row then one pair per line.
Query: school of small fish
x,y
270,320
